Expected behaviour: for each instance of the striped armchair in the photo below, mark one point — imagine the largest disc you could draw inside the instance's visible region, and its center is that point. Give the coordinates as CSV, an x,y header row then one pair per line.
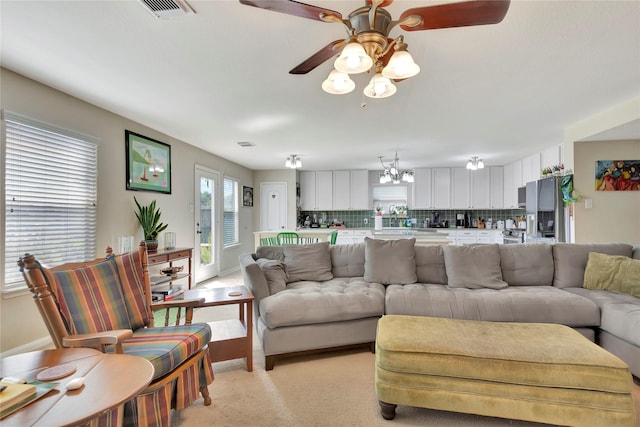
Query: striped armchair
x,y
106,304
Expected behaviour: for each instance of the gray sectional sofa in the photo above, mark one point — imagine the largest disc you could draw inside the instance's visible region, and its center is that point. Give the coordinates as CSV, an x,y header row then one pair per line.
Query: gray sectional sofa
x,y
318,297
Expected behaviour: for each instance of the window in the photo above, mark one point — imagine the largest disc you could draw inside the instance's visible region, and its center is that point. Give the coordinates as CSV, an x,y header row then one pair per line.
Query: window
x,y
230,227
50,196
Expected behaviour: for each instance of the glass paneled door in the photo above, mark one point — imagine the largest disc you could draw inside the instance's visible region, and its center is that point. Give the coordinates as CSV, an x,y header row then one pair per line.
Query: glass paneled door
x,y
206,220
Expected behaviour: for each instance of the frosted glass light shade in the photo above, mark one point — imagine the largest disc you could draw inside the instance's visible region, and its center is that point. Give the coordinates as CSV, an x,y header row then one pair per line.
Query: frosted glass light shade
x,y
379,87
353,59
338,83
401,66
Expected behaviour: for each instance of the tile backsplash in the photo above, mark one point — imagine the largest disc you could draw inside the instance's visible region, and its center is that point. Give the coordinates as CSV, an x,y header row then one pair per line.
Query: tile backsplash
x,y
364,219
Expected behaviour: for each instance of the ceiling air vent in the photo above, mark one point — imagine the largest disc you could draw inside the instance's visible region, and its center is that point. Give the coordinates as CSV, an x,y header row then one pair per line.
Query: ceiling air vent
x,y
167,9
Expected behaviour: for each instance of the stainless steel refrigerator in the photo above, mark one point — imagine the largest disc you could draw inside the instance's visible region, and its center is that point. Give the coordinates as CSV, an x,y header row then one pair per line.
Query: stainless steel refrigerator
x,y
547,215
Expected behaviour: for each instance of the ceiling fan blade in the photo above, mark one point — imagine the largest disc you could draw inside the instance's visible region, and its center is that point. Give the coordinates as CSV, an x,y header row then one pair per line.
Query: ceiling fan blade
x,y
292,7
319,57
467,13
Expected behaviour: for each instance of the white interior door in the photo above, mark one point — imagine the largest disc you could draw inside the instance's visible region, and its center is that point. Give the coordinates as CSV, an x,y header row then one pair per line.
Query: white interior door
x,y
273,206
207,224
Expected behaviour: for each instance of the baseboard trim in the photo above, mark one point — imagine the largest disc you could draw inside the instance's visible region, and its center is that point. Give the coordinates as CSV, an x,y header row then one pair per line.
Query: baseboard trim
x,y
229,271
39,344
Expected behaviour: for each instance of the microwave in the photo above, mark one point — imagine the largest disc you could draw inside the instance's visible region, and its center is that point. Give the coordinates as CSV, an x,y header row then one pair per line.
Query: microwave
x,y
522,197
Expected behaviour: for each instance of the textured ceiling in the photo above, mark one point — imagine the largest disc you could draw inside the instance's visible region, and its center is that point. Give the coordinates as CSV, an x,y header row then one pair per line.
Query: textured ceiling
x,y
220,76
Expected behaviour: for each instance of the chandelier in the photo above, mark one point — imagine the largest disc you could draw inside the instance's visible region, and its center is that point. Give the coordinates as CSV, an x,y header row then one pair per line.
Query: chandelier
x,y
391,172
293,162
366,53
475,163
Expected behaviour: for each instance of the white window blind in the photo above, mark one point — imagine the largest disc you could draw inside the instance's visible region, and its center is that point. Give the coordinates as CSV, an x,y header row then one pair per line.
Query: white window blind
x,y
50,195
230,223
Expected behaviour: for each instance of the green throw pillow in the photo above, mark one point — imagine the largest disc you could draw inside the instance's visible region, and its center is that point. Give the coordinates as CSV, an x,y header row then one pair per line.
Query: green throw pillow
x,y
613,273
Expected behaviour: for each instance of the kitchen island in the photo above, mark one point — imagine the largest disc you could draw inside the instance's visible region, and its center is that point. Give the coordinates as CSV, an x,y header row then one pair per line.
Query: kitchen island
x,y
313,234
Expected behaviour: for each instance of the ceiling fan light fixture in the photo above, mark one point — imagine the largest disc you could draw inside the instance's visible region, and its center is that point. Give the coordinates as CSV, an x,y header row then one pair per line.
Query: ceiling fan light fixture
x,y
401,66
380,87
353,59
338,83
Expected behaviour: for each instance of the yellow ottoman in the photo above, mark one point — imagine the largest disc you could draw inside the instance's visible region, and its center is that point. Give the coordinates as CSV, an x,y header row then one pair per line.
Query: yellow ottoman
x,y
529,371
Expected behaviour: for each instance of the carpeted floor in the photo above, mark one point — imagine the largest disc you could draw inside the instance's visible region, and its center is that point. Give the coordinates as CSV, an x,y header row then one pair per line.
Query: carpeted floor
x,y
333,389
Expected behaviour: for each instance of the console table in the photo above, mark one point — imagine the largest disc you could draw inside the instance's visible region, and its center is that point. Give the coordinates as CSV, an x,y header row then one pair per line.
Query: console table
x,y
163,256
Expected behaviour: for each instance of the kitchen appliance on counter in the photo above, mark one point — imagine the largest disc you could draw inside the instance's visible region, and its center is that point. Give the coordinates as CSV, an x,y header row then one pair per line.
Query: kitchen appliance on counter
x,y
435,219
467,220
459,220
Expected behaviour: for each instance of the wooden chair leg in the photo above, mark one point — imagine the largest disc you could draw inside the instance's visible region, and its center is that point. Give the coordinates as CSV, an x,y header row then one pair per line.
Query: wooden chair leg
x,y
204,391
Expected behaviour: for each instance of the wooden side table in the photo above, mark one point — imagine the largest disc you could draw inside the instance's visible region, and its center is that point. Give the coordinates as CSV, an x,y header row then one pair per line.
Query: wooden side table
x,y
110,381
163,256
230,339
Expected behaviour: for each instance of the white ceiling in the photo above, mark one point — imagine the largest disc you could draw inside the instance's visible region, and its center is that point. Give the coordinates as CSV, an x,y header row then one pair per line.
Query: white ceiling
x,y
218,77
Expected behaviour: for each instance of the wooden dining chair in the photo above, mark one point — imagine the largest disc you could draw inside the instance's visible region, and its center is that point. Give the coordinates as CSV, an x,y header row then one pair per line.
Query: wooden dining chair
x,y
106,304
288,238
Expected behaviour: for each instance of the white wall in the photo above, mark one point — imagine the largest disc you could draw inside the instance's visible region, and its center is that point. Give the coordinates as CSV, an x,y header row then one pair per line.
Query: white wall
x,y
21,322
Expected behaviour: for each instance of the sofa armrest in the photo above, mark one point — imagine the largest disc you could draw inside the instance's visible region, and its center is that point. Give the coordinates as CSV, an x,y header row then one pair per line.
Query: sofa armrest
x,y
99,339
254,278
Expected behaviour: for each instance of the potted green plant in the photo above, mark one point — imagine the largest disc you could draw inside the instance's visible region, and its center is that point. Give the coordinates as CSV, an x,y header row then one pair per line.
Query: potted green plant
x,y
149,219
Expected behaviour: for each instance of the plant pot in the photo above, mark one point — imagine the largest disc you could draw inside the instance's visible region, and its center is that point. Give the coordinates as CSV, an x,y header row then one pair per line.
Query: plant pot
x,y
152,245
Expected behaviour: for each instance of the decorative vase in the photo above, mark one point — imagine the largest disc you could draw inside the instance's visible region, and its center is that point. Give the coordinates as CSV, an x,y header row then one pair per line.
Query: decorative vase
x,y
152,245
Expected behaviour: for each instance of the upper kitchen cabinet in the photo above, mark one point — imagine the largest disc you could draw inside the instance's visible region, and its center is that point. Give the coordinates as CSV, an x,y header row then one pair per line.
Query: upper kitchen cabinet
x,y
512,181
460,188
478,189
551,156
351,190
530,168
316,190
432,188
497,187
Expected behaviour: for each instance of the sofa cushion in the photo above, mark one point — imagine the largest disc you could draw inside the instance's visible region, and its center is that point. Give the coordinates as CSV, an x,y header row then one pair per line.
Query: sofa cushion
x,y
545,304
336,300
527,264
620,313
307,262
430,266
613,273
347,260
473,267
275,274
270,252
570,260
390,261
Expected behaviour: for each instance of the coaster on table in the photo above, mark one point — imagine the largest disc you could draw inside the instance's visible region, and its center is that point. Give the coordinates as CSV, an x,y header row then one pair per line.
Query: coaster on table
x,y
56,372
235,294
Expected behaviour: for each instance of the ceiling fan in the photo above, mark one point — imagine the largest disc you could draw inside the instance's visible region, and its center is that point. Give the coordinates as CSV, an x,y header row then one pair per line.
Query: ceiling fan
x,y
368,46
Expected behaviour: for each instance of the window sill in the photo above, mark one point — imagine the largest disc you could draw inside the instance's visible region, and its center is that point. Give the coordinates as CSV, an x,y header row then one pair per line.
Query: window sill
x,y
15,292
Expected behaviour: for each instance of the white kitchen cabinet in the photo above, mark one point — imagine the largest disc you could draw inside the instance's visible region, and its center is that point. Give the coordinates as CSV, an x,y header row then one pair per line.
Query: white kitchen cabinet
x,y
341,190
316,190
531,168
441,188
480,194
551,156
478,189
346,237
360,190
460,188
423,189
512,181
497,187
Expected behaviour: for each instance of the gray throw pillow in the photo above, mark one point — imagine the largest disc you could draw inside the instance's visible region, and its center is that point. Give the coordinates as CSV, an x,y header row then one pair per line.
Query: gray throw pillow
x,y
275,274
390,261
473,267
308,262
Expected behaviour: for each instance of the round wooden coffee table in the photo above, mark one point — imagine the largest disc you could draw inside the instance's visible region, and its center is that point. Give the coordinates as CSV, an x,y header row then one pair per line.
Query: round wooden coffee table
x,y
110,381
